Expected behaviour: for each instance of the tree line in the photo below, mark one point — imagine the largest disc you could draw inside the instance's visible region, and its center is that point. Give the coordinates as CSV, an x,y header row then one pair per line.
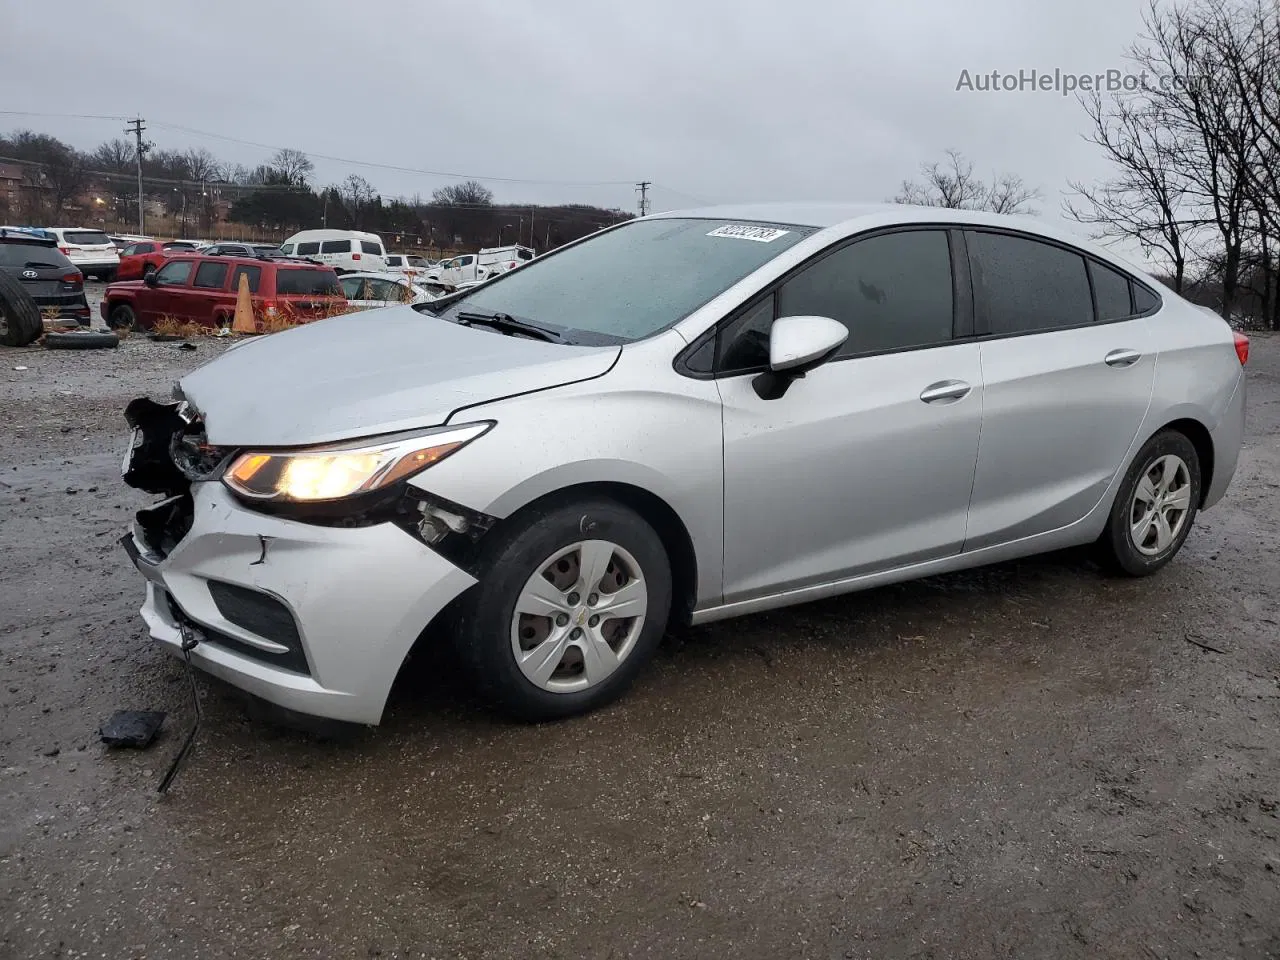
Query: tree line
x,y
274,198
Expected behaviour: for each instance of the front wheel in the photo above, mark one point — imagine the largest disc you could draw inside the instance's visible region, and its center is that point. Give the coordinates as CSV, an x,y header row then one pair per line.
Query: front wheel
x,y
121,317
571,604
1155,506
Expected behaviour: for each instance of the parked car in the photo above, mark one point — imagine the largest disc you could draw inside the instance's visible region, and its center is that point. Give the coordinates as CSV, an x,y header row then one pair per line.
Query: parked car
x,y
90,250
123,240
406,265
184,246
489,262
224,248
144,256
53,281
366,290
557,464
345,250
202,289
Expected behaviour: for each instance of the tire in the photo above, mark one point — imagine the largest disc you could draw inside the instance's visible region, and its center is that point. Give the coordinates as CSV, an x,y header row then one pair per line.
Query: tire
x,y
1167,451
20,323
121,317
81,341
554,537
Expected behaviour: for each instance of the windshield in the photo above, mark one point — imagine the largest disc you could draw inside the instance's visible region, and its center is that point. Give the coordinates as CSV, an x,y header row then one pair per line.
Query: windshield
x,y
631,282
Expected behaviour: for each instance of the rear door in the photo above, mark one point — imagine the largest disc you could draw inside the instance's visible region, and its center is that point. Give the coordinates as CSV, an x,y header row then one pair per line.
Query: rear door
x,y
866,463
1066,384
207,290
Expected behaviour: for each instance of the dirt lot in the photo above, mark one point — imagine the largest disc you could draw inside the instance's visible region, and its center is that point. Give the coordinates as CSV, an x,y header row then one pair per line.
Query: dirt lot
x,y
1029,760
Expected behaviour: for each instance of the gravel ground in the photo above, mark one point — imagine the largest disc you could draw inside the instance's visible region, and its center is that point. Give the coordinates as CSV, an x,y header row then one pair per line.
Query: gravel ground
x,y
1027,760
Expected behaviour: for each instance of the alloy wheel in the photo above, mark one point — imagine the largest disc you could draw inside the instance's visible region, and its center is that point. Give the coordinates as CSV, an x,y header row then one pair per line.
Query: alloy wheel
x,y
1161,505
579,616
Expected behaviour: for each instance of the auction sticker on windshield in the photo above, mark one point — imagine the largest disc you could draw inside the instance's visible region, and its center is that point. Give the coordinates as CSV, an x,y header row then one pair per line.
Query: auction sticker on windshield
x,y
742,231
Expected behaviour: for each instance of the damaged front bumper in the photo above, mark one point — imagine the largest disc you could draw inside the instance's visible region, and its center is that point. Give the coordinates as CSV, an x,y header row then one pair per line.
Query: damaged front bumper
x,y
314,618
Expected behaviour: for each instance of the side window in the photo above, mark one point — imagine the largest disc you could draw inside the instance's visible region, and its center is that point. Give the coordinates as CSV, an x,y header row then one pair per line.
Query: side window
x,y
211,275
524,254
744,343
287,248
466,261
1023,286
309,249
1144,301
1110,292
173,274
351,287
368,246
336,246
253,273
391,261
892,291
130,250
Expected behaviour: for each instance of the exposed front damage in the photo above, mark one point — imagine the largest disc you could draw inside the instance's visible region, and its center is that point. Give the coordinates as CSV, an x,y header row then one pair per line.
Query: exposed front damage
x,y
280,598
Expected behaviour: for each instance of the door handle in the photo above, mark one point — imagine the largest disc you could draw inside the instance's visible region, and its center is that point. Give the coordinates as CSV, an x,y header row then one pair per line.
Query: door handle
x,y
945,391
1122,358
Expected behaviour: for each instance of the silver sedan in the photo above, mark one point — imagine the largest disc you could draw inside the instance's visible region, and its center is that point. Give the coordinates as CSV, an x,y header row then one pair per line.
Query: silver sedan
x,y
687,417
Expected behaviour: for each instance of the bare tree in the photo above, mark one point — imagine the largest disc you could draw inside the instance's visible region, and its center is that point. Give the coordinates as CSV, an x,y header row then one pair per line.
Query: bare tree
x,y
294,166
469,193
951,183
114,156
358,196
201,164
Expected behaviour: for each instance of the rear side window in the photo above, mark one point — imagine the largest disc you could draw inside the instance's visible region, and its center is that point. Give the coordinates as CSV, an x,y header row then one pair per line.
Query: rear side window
x,y
312,283
336,246
253,273
893,291
1023,286
391,261
1144,301
1110,292
212,275
86,238
308,249
368,246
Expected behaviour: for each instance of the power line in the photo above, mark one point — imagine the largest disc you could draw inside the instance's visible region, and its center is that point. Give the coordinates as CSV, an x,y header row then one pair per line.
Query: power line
x,y
60,116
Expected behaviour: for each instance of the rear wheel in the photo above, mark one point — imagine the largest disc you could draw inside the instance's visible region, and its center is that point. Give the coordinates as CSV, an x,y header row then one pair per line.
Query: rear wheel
x,y
571,604
1155,506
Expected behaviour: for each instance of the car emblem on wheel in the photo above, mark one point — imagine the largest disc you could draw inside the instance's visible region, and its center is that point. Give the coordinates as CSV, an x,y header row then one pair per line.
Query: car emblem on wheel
x,y
29,274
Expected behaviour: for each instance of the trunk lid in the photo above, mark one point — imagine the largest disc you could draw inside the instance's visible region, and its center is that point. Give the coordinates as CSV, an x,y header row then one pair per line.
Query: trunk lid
x,y
373,372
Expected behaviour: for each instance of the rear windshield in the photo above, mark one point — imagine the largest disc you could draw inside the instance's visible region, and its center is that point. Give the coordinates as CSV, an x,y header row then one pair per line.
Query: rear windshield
x,y
86,238
336,246
632,281
309,248
33,255
310,283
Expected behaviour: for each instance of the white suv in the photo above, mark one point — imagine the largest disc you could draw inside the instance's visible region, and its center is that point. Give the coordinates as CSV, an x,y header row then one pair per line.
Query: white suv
x,y
90,250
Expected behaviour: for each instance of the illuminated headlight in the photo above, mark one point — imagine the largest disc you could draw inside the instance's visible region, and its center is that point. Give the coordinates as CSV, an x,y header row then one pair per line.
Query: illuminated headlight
x,y
336,471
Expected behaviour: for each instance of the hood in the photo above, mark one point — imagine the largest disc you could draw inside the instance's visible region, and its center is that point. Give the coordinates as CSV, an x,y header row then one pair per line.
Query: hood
x,y
378,371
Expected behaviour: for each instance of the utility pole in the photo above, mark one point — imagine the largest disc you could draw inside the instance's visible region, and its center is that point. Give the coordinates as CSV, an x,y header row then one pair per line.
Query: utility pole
x,y
643,189
136,127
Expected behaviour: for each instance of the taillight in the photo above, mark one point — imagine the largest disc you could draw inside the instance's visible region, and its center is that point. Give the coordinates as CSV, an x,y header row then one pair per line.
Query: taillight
x,y
64,250
1242,347
355,256
73,279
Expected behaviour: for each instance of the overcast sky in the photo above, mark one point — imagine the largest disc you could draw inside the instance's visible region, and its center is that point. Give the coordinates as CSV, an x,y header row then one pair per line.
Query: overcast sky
x,y
713,100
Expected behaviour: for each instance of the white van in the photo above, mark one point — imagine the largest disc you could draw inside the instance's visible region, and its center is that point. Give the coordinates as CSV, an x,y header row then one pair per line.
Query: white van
x,y
345,250
90,250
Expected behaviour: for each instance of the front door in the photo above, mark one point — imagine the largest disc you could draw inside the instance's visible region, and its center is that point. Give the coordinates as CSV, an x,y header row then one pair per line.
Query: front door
x,y
867,462
165,298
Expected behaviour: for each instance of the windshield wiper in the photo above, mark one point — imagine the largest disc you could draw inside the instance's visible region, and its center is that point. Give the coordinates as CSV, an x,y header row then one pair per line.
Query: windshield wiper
x,y
508,324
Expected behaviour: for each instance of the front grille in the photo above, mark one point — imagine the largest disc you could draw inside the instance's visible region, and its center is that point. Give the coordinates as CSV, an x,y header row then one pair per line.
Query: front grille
x,y
264,616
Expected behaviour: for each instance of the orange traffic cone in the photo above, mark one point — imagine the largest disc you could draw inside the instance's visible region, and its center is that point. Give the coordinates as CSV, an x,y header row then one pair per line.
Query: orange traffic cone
x,y
243,321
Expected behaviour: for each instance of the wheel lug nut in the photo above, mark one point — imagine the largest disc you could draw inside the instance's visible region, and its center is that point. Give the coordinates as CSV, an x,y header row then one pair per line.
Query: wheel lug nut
x,y
573,599
593,599
562,619
594,621
577,632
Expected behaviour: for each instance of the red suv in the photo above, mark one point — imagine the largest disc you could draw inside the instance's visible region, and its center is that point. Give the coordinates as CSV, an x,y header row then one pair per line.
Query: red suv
x,y
203,290
140,258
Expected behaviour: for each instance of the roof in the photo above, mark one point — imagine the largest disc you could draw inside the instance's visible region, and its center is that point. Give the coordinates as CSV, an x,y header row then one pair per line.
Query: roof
x,y
836,214
18,235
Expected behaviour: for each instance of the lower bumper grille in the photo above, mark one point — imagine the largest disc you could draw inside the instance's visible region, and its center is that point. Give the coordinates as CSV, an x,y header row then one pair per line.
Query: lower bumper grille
x,y
263,616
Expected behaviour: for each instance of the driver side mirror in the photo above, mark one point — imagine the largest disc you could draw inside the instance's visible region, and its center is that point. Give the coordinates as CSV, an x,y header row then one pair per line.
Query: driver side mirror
x,y
149,278
796,346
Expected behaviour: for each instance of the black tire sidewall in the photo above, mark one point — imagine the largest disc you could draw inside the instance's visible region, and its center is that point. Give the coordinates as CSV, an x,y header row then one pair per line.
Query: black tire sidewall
x,y
1120,548
484,625
115,311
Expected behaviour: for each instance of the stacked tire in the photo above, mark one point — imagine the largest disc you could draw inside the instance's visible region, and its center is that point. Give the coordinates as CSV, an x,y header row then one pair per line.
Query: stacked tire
x,y
20,323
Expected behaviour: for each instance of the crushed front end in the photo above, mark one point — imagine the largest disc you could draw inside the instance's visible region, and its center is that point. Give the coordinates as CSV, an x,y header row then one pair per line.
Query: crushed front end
x,y
314,613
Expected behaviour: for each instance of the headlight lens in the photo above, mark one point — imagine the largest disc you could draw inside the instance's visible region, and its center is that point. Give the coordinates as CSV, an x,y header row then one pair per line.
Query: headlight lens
x,y
343,470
